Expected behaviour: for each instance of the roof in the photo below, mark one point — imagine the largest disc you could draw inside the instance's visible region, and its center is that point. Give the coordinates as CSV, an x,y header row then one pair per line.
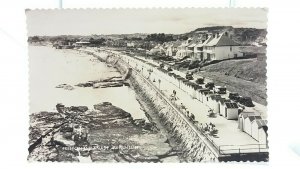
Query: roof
x,y
222,40
176,44
203,90
223,100
246,114
231,105
216,97
252,118
260,123
192,45
207,92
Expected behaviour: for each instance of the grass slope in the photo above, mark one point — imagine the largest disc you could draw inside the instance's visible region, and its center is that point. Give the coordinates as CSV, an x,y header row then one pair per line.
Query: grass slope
x,y
246,76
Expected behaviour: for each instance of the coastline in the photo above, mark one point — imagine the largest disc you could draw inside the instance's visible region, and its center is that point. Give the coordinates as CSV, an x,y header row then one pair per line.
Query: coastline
x,y
144,133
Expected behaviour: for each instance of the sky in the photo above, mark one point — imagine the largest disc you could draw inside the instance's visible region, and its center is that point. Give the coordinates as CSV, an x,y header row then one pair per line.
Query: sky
x,y
127,21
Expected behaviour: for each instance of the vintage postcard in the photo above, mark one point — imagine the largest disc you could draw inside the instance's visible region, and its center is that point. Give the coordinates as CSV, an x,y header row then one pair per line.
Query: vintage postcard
x,y
148,85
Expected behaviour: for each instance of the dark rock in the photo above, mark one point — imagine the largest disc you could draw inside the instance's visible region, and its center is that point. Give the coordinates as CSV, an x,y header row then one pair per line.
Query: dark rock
x,y
79,108
139,122
65,86
88,84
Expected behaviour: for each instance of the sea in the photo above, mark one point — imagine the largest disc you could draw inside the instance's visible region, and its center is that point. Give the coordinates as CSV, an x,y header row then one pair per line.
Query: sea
x,y
50,67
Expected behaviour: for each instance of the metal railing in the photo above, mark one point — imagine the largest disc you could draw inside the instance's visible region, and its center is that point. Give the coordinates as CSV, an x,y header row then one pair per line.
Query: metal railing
x,y
212,146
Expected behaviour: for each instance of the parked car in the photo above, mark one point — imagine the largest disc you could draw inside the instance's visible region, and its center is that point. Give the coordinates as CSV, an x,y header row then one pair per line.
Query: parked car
x,y
234,96
189,76
220,90
210,85
246,101
200,81
170,69
162,65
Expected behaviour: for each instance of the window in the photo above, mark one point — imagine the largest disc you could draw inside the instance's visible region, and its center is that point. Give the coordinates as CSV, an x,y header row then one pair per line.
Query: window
x,y
230,48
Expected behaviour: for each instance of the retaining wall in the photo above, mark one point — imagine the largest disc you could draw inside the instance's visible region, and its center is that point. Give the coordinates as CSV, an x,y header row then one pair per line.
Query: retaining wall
x,y
195,148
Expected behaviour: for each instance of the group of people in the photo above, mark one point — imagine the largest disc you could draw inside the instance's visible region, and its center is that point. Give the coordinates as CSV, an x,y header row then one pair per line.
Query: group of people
x,y
191,116
173,96
209,128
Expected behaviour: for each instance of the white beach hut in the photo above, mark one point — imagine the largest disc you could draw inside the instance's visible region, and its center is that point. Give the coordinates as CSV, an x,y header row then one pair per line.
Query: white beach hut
x,y
231,111
213,102
248,123
223,106
259,130
242,118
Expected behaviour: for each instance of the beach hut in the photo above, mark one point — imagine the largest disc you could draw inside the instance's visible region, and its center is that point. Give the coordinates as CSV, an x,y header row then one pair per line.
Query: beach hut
x,y
201,94
242,118
248,123
259,130
206,96
213,102
222,102
231,111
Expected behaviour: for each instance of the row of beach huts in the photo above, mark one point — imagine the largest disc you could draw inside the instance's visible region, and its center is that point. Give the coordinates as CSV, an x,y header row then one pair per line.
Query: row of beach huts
x,y
248,122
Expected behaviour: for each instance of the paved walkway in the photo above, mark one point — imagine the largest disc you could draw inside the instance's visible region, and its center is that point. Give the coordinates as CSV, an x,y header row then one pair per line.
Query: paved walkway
x,y
228,132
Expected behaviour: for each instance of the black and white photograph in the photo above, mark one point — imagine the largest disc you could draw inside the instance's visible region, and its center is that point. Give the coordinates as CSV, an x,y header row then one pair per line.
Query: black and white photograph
x,y
164,85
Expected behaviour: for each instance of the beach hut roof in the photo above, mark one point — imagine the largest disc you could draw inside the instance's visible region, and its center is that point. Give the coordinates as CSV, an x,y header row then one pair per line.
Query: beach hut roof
x,y
260,123
252,118
223,100
231,105
246,114
208,92
216,97
203,90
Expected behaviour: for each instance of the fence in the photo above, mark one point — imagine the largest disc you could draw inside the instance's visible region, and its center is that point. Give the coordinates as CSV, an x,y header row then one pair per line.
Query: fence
x,y
217,150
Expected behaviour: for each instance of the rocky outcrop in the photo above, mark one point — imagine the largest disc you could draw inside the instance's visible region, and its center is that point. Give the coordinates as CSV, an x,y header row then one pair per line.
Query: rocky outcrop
x,y
105,83
65,87
105,134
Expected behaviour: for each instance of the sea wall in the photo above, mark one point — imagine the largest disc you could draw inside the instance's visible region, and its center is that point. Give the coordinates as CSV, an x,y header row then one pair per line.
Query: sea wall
x,y
195,147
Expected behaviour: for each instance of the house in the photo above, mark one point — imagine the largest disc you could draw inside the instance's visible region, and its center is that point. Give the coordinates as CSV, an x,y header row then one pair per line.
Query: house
x,y
130,44
172,48
81,44
259,131
158,49
182,49
220,47
198,49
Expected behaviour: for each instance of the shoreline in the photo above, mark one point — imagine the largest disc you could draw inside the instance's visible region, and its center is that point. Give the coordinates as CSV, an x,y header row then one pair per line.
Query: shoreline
x,y
147,105
160,138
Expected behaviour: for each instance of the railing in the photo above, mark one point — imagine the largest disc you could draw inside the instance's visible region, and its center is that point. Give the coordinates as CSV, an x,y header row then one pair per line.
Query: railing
x,y
222,149
206,141
243,149
212,146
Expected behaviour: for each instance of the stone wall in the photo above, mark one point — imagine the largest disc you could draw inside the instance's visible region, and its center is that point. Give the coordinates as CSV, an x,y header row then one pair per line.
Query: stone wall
x,y
195,148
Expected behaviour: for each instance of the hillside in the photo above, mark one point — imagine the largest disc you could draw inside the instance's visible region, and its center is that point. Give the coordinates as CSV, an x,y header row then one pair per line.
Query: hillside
x,y
244,36
245,76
